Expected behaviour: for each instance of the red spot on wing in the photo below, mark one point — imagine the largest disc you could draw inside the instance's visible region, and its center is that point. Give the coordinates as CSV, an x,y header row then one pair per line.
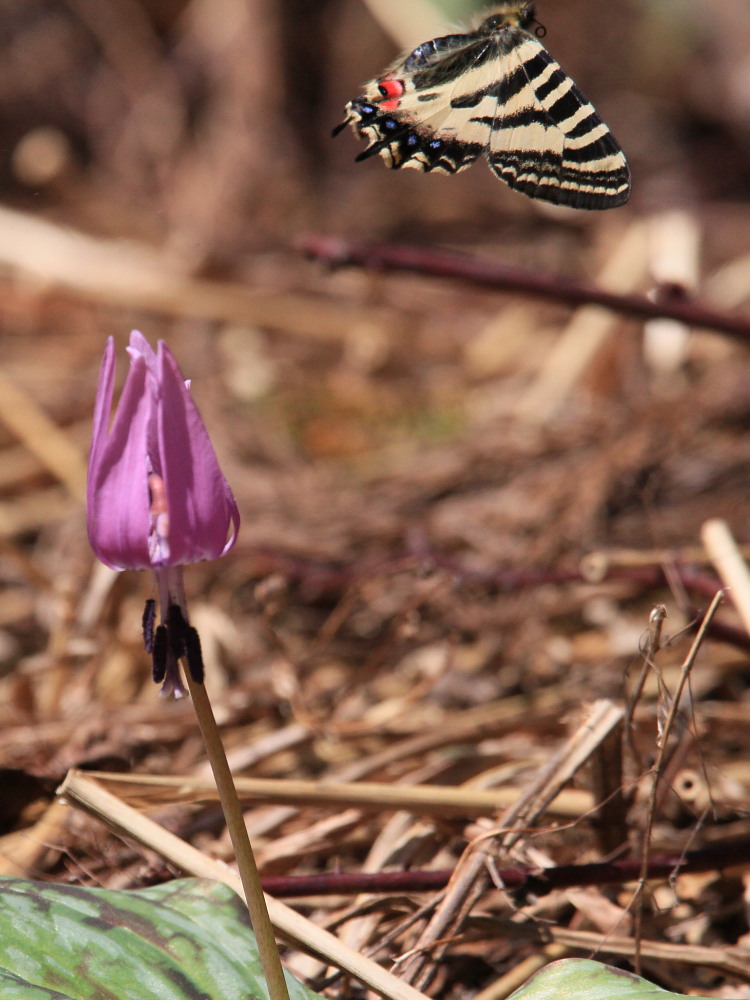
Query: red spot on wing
x,y
391,90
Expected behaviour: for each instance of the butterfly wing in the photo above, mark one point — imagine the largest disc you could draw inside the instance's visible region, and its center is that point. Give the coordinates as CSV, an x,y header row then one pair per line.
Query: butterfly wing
x,y
547,140
412,115
495,91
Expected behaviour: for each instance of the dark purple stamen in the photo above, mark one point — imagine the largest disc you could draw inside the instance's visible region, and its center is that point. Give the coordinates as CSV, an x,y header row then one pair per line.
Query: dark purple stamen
x,y
194,655
160,654
172,641
147,623
177,628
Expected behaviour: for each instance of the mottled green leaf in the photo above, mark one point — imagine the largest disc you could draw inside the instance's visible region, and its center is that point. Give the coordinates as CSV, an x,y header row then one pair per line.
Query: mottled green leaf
x,y
582,979
15,988
186,940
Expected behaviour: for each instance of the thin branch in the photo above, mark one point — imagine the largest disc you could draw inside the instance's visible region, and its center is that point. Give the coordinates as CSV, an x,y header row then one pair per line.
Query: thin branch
x,y
332,578
523,880
651,648
668,303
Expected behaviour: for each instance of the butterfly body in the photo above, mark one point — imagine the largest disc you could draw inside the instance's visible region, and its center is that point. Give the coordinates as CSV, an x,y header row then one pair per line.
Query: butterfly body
x,y
494,90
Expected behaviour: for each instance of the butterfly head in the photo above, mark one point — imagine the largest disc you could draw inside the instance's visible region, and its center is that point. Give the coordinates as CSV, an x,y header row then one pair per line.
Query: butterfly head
x,y
511,14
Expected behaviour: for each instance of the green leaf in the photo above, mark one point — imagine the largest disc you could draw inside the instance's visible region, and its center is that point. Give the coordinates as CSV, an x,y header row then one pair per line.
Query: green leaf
x,y
582,979
14,988
186,940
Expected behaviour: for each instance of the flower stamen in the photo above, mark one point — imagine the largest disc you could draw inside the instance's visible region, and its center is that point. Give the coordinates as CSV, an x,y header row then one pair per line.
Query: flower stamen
x,y
160,654
193,654
147,624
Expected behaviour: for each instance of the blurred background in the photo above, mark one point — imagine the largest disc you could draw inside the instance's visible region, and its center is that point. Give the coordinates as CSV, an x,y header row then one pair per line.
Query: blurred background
x,y
403,449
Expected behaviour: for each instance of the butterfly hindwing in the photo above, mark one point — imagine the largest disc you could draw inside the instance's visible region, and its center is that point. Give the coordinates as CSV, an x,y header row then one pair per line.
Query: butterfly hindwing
x,y
408,117
548,141
495,90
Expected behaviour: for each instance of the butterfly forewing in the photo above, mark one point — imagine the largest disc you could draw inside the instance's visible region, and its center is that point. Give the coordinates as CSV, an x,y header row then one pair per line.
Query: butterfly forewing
x,y
495,90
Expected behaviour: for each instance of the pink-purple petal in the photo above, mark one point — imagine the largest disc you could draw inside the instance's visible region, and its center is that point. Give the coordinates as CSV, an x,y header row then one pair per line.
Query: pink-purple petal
x,y
118,503
157,438
201,507
138,345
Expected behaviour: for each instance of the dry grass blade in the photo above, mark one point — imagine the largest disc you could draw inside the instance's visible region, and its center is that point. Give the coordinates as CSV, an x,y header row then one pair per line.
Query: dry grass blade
x,y
81,791
731,960
428,800
133,275
596,565
730,565
42,437
21,850
674,251
511,981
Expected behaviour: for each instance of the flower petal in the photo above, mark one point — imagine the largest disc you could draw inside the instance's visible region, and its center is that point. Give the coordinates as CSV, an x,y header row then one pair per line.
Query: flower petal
x,y
201,507
117,489
139,346
156,495
103,404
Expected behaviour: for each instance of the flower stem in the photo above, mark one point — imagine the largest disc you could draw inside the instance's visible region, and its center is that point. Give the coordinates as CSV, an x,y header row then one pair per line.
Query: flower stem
x,y
230,804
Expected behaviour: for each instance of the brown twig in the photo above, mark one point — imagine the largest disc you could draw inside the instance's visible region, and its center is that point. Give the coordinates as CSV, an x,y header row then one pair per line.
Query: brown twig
x,y
669,304
651,647
520,879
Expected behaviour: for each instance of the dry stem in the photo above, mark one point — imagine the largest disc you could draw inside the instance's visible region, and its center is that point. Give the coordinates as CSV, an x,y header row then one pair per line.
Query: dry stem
x,y
426,800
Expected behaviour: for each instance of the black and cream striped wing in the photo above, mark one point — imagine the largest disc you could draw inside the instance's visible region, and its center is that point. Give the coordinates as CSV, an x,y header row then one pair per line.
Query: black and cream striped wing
x,y
497,91
547,140
412,116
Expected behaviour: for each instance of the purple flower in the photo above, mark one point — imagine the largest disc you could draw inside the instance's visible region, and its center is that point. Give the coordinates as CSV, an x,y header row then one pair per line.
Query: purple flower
x,y
156,497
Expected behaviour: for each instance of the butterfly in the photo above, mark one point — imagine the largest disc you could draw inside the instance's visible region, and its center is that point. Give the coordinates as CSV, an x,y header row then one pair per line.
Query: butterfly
x,y
493,90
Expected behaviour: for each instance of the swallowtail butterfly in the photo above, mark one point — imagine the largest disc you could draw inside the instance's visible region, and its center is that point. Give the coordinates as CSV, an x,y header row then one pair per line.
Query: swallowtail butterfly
x,y
493,90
